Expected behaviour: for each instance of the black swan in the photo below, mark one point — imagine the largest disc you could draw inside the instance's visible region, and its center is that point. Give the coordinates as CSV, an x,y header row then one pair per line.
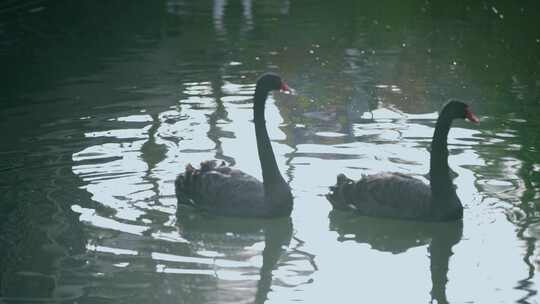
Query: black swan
x,y
397,195
225,191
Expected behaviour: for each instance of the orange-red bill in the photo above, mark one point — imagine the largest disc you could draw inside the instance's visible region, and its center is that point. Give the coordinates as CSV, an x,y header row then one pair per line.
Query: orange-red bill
x,y
470,116
285,87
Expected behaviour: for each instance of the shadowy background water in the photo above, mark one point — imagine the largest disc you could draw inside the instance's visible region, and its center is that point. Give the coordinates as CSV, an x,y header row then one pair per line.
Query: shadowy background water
x,y
103,103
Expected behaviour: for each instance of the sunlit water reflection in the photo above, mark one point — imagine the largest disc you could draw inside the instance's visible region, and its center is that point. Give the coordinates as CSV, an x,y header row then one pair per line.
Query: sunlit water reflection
x,y
92,150
130,172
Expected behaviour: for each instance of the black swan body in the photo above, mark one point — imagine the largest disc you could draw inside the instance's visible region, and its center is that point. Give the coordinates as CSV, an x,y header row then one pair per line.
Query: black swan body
x,y
397,195
225,191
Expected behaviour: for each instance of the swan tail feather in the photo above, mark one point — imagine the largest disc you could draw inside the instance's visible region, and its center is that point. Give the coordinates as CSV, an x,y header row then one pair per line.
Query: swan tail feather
x,y
186,185
197,186
341,194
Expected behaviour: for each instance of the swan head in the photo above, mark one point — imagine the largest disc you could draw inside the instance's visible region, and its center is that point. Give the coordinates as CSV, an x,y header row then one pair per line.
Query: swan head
x,y
272,82
458,109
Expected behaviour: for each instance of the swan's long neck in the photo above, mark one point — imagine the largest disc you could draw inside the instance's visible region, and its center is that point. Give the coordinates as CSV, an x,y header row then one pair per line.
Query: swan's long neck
x,y
270,170
441,184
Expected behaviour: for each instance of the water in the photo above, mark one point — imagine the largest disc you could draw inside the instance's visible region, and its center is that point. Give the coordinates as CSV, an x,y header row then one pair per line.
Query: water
x,y
102,106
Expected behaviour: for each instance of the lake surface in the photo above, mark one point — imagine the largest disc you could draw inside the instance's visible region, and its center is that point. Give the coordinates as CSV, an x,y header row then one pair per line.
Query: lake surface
x,y
103,104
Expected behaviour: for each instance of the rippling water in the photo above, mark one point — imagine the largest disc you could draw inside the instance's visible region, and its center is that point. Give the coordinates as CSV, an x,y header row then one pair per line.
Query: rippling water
x,y
101,110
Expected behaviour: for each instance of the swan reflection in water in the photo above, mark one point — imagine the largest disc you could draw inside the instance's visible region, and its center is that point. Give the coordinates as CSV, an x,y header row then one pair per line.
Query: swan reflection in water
x,y
398,236
241,240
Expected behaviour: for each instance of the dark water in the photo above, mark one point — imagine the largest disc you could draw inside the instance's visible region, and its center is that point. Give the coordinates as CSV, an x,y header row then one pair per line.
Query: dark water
x,y
103,103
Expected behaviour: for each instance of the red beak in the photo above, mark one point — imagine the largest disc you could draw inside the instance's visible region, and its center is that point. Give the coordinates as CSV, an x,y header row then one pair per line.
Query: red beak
x,y
285,87
470,116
